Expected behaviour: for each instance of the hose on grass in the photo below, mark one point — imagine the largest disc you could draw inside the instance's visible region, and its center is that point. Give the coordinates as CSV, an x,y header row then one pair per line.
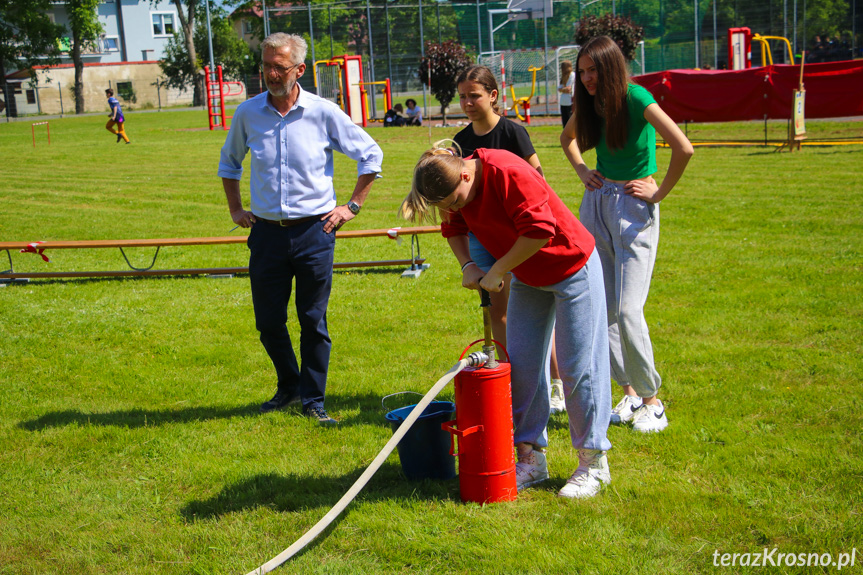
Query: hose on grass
x,y
473,360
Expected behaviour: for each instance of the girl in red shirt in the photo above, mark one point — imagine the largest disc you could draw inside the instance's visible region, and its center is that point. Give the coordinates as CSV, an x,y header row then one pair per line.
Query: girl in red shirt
x,y
557,278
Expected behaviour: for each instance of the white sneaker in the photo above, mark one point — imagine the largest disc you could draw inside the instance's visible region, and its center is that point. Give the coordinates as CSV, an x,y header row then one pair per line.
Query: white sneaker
x,y
591,475
650,418
624,410
558,403
530,469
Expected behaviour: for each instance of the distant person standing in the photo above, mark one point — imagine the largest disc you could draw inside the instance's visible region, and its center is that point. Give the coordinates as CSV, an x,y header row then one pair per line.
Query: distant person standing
x,y
567,82
413,113
117,118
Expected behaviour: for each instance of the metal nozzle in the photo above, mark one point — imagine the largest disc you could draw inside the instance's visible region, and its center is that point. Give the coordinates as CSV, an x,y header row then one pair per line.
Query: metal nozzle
x,y
477,359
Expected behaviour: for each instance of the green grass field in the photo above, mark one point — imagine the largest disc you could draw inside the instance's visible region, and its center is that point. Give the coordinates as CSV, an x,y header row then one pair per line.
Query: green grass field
x,y
130,439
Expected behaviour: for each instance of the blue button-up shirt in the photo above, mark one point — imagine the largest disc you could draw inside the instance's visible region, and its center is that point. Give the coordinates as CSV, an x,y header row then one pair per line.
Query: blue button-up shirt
x,y
292,155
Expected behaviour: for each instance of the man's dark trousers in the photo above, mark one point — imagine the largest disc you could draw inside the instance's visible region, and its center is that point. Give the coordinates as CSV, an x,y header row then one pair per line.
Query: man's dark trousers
x,y
278,255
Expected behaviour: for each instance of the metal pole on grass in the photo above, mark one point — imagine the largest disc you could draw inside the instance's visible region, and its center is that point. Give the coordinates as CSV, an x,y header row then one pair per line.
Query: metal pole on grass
x,y
423,55
545,52
330,18
210,45
715,46
695,31
785,26
266,18
478,29
389,52
794,44
371,57
312,38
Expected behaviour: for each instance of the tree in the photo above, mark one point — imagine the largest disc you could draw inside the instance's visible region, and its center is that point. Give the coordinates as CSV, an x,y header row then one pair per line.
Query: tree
x,y
622,30
26,33
445,60
229,51
85,31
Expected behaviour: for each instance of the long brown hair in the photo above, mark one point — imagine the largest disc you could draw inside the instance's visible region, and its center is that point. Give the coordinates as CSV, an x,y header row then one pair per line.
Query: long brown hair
x,y
609,103
483,76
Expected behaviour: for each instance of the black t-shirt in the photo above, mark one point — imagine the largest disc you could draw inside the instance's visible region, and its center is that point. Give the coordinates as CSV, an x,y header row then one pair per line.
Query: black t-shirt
x,y
505,135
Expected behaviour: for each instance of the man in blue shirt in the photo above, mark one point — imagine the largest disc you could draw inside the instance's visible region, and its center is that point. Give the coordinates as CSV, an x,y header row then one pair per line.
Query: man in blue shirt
x,y
293,213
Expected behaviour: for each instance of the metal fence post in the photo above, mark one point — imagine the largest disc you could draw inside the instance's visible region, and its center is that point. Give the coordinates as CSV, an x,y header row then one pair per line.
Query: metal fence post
x,y
389,53
371,58
423,55
695,32
312,34
478,29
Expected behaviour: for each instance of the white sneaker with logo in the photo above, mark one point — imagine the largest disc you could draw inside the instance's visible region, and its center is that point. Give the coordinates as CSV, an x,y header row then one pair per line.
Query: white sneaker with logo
x,y
624,410
558,401
530,469
591,475
650,418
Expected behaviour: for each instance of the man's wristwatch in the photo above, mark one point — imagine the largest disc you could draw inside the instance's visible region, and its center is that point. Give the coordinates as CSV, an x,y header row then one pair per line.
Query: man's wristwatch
x,y
354,207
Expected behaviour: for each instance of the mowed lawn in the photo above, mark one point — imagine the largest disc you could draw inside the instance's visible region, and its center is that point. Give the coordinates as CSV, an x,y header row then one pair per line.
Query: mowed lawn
x,y
130,438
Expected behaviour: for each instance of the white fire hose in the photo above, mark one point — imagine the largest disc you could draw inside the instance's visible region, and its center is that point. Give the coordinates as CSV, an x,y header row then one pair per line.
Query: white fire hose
x,y
473,360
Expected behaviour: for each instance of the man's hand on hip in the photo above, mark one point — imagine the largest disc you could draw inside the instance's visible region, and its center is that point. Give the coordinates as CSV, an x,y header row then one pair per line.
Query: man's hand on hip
x,y
337,218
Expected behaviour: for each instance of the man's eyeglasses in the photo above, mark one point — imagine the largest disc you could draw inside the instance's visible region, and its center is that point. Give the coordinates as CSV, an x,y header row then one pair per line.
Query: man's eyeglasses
x,y
280,70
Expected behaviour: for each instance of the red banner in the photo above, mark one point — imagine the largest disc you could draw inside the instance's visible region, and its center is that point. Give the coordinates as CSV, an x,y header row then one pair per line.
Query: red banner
x,y
833,90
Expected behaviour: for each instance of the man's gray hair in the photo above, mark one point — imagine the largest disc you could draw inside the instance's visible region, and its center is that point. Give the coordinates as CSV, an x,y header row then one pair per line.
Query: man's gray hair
x,y
296,44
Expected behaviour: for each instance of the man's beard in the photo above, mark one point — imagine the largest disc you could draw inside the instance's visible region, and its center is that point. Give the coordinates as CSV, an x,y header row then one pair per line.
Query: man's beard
x,y
283,89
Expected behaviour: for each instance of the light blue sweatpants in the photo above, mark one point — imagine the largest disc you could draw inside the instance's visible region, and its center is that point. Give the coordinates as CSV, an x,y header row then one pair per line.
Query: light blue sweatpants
x,y
627,235
577,305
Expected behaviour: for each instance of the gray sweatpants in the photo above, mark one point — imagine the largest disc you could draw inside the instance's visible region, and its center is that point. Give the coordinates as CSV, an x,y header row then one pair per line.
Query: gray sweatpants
x,y
575,309
627,235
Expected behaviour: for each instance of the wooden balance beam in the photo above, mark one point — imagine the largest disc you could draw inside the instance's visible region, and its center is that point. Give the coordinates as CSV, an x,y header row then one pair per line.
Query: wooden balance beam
x,y
416,263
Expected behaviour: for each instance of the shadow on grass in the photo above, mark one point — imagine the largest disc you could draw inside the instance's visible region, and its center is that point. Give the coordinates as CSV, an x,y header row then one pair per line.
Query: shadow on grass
x,y
290,493
137,417
370,412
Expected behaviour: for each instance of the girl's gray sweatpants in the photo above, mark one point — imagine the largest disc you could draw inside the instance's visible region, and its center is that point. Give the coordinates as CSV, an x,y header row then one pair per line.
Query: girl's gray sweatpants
x,y
575,309
627,235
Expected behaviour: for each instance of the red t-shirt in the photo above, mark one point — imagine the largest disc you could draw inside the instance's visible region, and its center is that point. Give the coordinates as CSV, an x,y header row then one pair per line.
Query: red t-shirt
x,y
513,200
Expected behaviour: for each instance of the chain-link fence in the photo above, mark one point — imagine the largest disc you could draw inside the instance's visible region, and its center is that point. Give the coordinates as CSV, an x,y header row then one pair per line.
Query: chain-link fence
x,y
391,35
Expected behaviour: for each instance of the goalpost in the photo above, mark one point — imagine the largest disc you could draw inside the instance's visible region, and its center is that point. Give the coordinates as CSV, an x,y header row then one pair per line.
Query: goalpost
x,y
512,70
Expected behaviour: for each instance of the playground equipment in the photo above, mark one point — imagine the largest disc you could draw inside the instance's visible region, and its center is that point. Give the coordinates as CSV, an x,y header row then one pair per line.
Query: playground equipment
x,y
217,91
740,48
341,80
766,53
33,131
525,101
388,97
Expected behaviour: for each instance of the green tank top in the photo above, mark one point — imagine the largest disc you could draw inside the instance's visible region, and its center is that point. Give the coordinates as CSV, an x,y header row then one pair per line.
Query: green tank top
x,y
638,158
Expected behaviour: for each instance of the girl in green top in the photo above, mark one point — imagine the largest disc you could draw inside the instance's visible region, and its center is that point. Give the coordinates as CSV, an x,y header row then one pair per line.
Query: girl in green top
x,y
621,209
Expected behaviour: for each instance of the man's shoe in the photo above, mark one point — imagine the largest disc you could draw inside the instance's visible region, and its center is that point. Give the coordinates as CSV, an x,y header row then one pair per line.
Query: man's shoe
x,y
591,475
530,469
650,418
119,137
558,402
281,400
319,413
624,410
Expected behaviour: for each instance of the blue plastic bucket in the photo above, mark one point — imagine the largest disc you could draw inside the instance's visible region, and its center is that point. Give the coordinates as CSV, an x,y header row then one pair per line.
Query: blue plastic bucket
x,y
424,450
